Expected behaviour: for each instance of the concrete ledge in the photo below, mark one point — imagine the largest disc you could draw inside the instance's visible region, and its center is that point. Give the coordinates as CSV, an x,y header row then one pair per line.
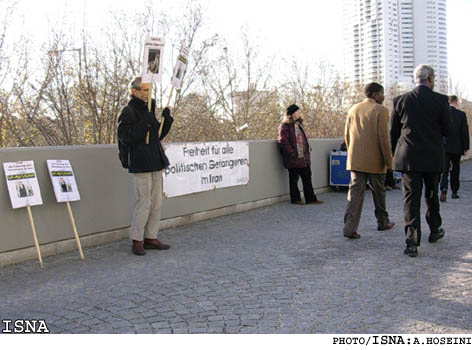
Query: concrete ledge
x,y
27,254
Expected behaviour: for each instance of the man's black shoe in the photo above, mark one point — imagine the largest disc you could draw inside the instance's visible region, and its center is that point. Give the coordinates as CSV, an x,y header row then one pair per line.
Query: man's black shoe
x,y
411,251
387,226
434,237
455,196
443,197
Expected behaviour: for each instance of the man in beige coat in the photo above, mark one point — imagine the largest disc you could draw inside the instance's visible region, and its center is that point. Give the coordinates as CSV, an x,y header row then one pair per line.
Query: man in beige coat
x,y
369,157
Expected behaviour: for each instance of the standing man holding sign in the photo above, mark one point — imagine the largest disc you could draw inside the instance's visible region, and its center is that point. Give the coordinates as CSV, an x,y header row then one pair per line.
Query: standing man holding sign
x,y
138,129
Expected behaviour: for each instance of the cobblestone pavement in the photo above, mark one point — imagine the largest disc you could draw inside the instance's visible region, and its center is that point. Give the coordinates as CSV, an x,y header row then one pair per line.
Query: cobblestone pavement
x,y
278,269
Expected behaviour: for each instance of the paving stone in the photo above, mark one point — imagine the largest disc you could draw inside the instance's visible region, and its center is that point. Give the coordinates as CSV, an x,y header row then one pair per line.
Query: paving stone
x,y
232,330
179,330
145,331
215,330
159,325
163,331
120,324
197,330
213,324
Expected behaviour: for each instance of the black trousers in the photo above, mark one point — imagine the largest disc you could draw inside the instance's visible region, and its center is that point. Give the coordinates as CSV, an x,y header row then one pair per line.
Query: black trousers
x,y
389,179
412,188
453,162
305,174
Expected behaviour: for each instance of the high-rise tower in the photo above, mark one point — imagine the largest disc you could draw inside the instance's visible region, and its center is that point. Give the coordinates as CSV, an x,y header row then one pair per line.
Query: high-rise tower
x,y
384,40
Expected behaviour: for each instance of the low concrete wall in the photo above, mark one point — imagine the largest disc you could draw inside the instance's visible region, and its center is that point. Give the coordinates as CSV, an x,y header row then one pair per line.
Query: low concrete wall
x,y
104,211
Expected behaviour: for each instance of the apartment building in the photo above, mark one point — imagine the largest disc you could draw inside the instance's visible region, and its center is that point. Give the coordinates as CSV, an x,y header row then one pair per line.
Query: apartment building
x,y
384,40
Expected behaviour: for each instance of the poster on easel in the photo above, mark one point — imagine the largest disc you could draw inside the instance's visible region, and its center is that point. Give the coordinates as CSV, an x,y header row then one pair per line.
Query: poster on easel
x,y
180,67
22,184
153,60
63,181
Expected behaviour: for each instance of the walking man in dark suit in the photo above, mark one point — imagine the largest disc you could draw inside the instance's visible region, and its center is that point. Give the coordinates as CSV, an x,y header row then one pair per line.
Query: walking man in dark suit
x,y
456,146
420,118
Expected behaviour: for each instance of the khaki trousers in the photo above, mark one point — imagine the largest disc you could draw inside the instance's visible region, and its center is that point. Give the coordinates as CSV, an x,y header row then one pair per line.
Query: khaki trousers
x,y
355,200
147,207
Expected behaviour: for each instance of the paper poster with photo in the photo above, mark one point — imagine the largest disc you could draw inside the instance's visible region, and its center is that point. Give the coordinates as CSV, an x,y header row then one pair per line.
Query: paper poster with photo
x,y
153,60
63,181
180,67
22,184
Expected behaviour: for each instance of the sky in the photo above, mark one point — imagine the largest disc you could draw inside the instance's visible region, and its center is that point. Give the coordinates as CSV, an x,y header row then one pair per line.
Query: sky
x,y
308,30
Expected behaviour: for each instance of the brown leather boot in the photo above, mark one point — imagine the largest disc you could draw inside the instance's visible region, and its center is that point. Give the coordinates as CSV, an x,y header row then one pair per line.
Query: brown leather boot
x,y
138,248
155,244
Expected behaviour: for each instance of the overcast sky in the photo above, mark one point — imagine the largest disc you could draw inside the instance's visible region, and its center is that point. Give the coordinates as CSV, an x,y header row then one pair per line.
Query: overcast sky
x,y
311,30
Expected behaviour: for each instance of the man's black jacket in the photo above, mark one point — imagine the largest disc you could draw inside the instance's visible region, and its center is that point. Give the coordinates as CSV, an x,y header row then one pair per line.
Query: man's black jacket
x,y
132,130
458,142
420,118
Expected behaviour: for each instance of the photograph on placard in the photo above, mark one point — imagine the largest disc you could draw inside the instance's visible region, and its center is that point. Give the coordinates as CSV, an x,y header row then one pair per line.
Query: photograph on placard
x,y
63,181
178,75
22,184
65,186
24,189
153,60
180,67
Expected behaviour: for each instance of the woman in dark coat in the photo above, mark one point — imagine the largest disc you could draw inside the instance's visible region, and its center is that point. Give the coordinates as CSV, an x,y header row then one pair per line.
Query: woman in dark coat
x,y
296,155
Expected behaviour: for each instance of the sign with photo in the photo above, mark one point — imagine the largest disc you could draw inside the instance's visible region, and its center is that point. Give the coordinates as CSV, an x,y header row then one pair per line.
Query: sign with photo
x,y
153,59
180,67
63,181
197,167
22,184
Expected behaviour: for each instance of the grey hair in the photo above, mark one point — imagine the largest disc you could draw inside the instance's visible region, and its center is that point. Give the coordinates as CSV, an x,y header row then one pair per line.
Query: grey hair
x,y
135,83
422,73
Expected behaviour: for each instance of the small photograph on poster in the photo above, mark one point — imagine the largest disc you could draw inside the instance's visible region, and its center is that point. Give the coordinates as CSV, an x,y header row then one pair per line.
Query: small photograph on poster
x,y
65,186
63,181
178,75
153,61
24,189
22,183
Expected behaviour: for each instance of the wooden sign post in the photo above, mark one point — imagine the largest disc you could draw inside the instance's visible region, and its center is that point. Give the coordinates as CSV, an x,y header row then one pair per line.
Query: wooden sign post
x,y
35,237
71,216
149,96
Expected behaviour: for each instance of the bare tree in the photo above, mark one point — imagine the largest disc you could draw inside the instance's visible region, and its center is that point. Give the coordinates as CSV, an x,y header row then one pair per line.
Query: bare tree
x,y
320,95
240,92
4,68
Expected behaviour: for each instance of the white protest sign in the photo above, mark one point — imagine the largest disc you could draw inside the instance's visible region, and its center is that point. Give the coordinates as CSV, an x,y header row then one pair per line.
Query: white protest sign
x,y
153,59
63,181
197,167
180,67
22,184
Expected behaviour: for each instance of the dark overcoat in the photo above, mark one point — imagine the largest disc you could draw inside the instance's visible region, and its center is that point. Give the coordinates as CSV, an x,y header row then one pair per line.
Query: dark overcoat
x,y
458,142
419,120
133,126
